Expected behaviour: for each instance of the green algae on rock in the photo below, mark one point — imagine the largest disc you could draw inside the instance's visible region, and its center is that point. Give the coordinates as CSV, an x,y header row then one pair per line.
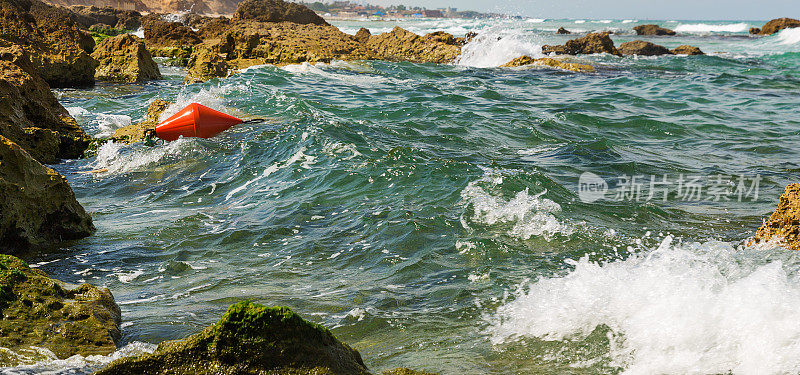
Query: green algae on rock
x,y
249,339
39,312
135,132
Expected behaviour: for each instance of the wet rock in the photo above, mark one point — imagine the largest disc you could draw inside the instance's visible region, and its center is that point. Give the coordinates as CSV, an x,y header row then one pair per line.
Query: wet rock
x,y
527,60
403,45
784,224
642,48
40,312
58,47
135,132
124,58
159,33
87,16
38,206
213,28
205,64
363,35
652,30
30,115
405,371
687,50
249,339
589,44
562,30
276,11
775,25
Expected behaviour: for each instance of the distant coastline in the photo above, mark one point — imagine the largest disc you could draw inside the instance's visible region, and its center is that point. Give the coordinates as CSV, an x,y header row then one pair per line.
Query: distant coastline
x,y
347,10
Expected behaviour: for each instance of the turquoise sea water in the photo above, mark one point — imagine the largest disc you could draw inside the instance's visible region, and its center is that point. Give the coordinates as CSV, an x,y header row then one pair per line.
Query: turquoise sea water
x,y
430,214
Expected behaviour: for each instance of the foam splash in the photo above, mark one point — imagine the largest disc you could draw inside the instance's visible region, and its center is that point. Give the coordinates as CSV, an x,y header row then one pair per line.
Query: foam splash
x,y
107,124
46,362
355,78
78,112
496,47
694,308
120,158
212,97
139,33
530,214
789,36
704,28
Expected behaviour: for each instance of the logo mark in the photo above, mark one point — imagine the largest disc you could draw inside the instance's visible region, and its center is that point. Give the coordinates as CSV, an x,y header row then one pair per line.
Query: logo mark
x,y
591,187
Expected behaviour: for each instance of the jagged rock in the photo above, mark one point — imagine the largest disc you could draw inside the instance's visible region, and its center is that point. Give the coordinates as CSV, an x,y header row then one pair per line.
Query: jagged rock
x,y
687,50
87,16
276,11
57,45
403,45
135,132
363,35
546,61
159,33
589,44
213,28
205,64
562,30
784,224
124,58
38,206
642,48
405,371
652,30
39,312
775,25
135,5
31,116
249,339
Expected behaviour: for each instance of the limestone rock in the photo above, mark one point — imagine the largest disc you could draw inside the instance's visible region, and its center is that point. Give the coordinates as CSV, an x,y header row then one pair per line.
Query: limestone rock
x,y
87,16
403,45
213,28
38,206
124,58
775,25
784,224
277,11
589,44
159,33
562,30
58,47
405,371
38,311
31,116
206,64
135,132
687,50
363,35
652,30
249,339
642,48
527,60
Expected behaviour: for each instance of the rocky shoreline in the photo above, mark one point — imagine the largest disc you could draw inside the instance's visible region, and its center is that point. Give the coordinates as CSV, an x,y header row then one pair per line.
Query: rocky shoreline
x,y
42,46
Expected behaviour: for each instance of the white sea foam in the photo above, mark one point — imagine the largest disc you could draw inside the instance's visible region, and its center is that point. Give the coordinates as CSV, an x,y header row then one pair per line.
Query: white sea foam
x,y
535,20
789,36
530,215
580,21
139,33
119,158
365,80
299,156
629,21
212,97
44,361
698,308
704,28
108,123
496,47
78,112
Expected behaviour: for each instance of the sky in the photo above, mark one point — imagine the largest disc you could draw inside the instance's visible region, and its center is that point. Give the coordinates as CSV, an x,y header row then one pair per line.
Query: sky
x,y
623,9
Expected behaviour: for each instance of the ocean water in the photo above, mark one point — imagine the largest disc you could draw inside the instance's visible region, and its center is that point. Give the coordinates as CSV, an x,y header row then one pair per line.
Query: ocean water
x,y
432,217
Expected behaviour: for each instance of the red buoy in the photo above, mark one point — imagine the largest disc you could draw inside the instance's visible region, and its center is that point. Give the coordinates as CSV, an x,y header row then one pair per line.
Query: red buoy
x,y
195,120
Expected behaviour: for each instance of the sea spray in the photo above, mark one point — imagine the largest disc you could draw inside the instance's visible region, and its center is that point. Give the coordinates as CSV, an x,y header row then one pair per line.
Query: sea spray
x,y
496,46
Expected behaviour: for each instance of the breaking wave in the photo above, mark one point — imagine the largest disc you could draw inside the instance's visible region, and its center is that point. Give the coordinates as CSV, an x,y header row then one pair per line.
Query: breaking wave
x,y
494,47
704,28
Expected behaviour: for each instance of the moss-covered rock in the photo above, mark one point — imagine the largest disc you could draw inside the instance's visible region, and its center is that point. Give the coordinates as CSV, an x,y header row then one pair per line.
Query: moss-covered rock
x,y
135,132
205,64
38,311
124,58
549,62
589,44
402,45
249,339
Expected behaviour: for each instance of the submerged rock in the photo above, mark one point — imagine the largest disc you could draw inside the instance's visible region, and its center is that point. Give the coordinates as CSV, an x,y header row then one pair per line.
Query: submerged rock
x,y
652,30
562,30
642,48
276,11
58,47
546,61
249,339
403,45
135,132
687,50
31,116
38,206
124,58
775,25
589,44
784,224
39,312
